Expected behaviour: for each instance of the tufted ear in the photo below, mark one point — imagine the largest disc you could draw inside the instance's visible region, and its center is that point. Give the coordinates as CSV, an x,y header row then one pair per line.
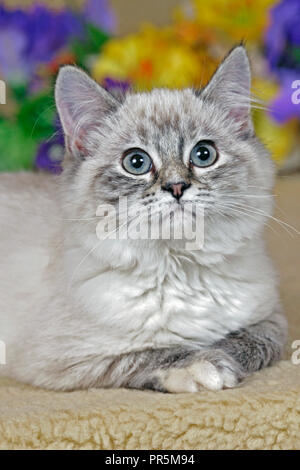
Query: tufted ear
x,y
82,104
230,87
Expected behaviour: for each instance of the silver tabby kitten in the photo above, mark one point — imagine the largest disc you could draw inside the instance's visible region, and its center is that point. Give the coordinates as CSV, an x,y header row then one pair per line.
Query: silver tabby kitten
x,y
78,312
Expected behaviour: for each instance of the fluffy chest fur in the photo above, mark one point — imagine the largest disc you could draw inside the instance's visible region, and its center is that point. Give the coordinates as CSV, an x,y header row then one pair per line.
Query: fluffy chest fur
x,y
157,296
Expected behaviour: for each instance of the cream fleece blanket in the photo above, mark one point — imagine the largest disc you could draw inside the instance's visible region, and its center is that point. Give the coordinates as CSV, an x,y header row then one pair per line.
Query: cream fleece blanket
x,y
263,413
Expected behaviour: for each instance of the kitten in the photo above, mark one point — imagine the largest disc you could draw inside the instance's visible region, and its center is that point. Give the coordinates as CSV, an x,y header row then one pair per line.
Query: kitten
x,y
79,312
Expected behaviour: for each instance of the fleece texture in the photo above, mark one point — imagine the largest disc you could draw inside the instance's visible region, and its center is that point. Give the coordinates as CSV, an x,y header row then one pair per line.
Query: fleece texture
x,y
263,413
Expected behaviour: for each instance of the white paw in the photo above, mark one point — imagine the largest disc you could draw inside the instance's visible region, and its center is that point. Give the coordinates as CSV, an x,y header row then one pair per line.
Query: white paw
x,y
199,375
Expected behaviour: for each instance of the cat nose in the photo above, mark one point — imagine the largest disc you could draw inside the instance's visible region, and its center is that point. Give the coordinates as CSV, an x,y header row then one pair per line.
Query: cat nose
x,y
177,189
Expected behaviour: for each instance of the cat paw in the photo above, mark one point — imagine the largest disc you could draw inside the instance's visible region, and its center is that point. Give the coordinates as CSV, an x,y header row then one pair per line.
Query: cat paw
x,y
200,375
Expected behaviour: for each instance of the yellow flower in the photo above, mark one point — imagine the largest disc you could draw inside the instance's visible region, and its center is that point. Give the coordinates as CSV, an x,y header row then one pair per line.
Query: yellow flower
x,y
153,58
279,139
237,19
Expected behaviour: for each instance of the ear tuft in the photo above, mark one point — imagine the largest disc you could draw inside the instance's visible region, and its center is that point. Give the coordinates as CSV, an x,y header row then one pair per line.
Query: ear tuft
x,y
82,104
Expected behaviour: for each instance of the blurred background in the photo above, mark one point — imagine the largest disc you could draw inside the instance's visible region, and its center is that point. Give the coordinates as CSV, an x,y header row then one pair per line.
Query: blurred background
x,y
143,44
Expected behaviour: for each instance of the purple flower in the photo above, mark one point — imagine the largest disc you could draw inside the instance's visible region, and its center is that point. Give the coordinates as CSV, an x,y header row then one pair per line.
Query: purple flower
x,y
12,44
100,14
283,53
283,107
48,31
35,36
112,84
28,38
283,36
50,153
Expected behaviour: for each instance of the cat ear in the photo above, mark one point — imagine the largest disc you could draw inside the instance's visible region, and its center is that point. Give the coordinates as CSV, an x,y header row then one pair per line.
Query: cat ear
x,y
230,87
82,104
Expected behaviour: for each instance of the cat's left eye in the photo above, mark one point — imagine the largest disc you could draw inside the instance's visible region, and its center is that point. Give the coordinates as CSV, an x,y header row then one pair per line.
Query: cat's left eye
x,y
204,154
136,162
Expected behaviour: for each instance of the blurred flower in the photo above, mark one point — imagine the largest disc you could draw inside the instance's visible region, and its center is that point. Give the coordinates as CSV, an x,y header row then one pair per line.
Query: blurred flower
x,y
12,45
49,156
234,20
63,58
283,53
100,14
283,108
111,84
35,36
153,57
36,41
50,153
28,38
283,37
48,31
279,138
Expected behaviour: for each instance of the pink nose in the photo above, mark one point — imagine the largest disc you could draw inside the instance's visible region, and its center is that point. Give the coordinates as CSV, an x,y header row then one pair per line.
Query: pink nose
x,y
176,189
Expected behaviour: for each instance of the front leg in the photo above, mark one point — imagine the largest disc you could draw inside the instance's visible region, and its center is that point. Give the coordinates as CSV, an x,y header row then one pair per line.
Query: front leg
x,y
182,369
257,346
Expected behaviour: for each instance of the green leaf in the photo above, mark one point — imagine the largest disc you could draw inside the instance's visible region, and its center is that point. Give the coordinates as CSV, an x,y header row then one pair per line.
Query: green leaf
x,y
36,116
92,44
19,91
17,151
296,54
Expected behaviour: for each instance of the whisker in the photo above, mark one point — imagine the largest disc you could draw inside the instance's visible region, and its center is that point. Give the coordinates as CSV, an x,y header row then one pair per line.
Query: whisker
x,y
257,211
248,215
39,117
97,245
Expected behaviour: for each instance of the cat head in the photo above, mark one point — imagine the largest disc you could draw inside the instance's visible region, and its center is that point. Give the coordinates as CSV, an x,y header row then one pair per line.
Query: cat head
x,y
168,148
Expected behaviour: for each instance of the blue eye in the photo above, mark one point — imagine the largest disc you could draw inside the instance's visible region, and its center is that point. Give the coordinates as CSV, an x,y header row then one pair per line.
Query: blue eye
x,y
137,162
203,154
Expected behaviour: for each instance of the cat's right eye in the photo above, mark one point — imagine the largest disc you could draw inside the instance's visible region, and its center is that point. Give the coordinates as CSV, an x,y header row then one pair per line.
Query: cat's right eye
x,y
136,162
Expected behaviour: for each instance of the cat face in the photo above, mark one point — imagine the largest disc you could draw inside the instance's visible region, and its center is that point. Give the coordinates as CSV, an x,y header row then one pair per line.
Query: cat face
x,y
167,150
